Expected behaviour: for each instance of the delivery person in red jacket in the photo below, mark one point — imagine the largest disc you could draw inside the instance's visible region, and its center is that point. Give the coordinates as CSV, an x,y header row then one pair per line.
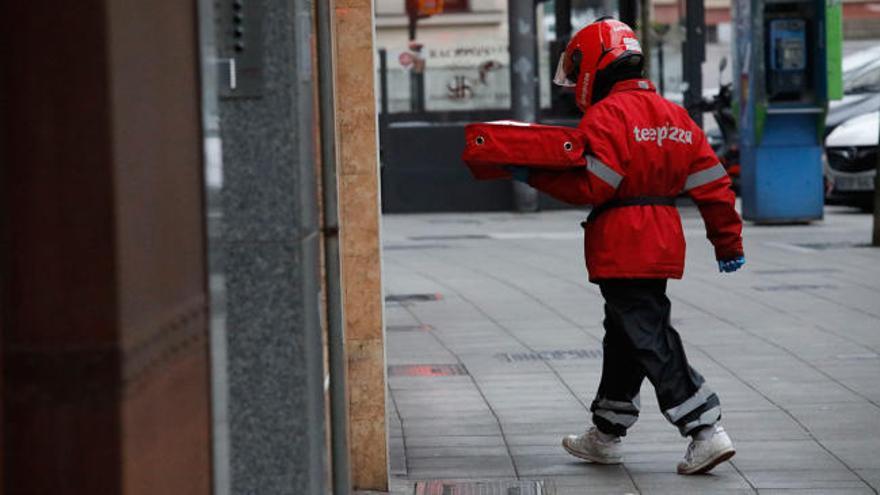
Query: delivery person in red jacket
x,y
643,151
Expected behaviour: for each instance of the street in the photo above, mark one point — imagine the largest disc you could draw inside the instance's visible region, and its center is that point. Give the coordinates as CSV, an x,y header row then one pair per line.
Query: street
x,y
494,353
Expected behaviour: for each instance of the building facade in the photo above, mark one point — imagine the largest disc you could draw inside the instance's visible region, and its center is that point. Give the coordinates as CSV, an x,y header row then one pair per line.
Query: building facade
x,y
190,289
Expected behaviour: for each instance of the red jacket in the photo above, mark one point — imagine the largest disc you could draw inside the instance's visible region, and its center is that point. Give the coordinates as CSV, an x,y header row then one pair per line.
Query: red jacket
x,y
640,144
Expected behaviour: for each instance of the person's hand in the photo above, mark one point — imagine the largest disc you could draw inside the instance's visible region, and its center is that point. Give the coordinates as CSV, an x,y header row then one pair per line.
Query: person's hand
x,y
518,173
731,265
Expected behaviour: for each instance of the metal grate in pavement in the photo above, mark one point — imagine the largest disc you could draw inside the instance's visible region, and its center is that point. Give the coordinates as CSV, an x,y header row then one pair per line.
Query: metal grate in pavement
x,y
793,287
407,298
796,271
413,247
408,328
824,246
427,370
459,221
521,487
561,355
449,237
865,355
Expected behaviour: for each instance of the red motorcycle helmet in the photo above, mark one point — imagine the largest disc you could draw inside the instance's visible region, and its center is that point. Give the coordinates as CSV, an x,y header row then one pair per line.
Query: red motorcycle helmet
x,y
599,55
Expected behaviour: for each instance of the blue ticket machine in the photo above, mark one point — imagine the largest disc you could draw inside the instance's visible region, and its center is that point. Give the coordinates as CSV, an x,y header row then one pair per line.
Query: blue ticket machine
x,y
781,86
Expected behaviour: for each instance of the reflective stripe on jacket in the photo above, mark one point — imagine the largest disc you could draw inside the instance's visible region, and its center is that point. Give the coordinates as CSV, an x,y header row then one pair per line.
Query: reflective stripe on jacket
x,y
641,144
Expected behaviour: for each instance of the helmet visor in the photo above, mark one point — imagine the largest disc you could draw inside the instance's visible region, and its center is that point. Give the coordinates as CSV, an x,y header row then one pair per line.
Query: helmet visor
x,y
564,72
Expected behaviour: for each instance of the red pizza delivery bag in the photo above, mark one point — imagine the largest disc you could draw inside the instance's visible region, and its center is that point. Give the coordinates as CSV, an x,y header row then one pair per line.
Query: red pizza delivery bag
x,y
492,145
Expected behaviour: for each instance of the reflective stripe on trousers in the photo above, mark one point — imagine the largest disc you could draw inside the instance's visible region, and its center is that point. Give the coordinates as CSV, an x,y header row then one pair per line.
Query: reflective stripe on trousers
x,y
701,409
622,414
640,343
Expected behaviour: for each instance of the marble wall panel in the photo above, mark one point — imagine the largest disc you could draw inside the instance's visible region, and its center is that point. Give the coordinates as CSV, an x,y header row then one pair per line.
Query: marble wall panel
x,y
270,251
360,242
367,395
355,79
368,447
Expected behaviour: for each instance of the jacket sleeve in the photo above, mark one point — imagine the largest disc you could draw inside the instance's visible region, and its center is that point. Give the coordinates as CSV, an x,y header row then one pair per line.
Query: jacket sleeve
x,y
597,182
709,186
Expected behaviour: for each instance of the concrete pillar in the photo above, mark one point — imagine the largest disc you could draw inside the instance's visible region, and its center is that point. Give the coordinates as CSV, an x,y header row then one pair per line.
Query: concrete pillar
x,y
102,272
360,246
267,239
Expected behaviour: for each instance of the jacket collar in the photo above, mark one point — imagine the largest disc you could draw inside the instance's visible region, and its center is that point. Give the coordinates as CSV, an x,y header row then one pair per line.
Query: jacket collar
x,y
633,85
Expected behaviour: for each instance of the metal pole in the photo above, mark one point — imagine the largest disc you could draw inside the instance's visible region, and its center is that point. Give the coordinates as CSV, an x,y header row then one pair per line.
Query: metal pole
x,y
220,443
562,14
661,67
332,272
416,74
383,81
646,33
413,18
876,237
523,82
693,54
627,9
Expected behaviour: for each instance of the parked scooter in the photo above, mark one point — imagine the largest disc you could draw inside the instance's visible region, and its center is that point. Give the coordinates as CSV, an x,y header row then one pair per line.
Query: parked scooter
x,y
725,141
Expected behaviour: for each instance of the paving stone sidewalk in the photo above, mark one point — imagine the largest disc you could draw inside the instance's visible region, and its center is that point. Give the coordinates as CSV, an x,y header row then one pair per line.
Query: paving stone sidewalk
x,y
494,353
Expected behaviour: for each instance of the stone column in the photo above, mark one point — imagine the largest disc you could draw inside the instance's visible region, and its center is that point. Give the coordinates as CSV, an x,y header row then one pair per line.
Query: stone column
x,y
360,244
102,272
267,241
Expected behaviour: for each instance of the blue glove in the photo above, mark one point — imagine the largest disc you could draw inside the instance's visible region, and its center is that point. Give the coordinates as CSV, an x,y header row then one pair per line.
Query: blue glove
x,y
731,265
518,173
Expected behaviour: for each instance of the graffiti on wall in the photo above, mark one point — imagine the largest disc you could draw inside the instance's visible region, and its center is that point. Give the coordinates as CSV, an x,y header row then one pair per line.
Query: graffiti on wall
x,y
461,86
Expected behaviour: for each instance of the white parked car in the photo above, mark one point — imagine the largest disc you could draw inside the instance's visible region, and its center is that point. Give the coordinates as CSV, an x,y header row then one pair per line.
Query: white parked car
x,y
851,151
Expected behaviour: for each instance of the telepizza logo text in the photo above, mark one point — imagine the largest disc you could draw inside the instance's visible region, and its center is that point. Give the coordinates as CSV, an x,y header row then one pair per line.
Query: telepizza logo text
x,y
664,133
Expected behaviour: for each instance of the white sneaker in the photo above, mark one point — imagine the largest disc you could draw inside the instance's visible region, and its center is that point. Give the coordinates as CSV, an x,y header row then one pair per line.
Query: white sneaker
x,y
703,455
590,447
